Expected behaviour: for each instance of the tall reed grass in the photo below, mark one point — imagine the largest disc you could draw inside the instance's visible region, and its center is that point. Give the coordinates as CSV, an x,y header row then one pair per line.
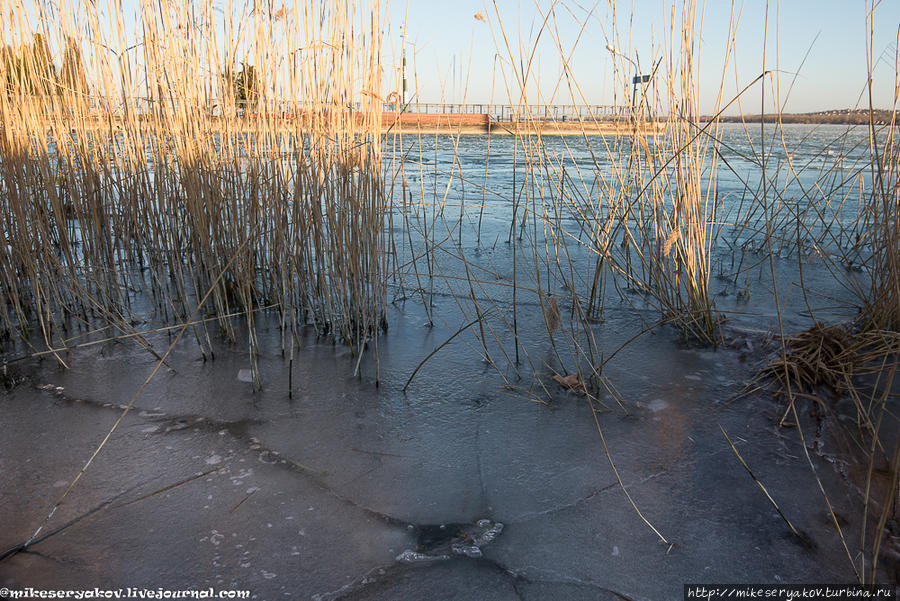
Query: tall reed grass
x,y
197,152
144,162
655,223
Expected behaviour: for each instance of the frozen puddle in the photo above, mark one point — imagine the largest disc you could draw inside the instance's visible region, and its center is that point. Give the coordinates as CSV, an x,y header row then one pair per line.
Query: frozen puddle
x,y
440,542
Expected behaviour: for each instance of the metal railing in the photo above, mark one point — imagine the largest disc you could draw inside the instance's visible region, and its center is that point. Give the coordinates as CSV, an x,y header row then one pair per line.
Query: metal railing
x,y
531,112
497,112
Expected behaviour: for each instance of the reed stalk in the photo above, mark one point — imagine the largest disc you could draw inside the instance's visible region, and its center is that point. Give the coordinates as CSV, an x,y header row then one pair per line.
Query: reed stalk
x,y
249,140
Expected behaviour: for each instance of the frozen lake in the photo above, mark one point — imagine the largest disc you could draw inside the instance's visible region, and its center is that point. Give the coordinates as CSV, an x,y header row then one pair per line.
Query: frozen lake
x,y
325,486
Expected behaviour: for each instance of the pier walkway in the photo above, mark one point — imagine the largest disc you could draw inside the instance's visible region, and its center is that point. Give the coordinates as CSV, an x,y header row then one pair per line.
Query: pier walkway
x,y
603,120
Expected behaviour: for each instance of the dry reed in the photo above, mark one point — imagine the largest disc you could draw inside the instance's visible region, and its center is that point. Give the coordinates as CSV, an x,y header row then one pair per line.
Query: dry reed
x,y
151,164
250,175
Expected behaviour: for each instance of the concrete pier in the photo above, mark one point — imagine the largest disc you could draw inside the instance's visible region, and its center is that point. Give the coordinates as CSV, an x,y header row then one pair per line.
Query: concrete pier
x,y
483,123
406,123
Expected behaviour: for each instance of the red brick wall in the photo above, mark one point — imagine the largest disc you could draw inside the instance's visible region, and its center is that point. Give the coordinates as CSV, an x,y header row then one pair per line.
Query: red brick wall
x,y
435,119
387,119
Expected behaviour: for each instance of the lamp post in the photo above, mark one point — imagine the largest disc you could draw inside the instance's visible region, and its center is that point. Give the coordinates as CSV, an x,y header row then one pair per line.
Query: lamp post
x,y
403,92
403,77
120,58
637,79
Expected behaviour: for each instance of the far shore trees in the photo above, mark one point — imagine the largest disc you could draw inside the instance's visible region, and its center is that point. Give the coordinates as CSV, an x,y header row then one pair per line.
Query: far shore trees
x,y
72,79
242,87
38,71
30,70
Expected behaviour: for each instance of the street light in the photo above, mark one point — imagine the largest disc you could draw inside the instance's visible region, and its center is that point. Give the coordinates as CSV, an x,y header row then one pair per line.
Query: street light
x,y
403,76
637,79
120,57
404,89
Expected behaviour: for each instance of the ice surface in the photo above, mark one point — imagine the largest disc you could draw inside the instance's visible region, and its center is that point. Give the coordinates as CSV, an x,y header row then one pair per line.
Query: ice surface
x,y
341,489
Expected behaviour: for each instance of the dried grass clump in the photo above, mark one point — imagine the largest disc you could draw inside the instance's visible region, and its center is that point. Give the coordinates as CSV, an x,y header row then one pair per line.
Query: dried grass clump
x,y
859,365
825,363
820,356
831,358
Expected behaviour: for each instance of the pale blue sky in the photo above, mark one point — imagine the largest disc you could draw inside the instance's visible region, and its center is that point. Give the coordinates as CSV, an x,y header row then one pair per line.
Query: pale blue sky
x,y
454,57
445,35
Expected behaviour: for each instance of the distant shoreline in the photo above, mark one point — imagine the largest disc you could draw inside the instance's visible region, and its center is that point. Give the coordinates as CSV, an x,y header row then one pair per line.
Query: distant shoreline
x,y
835,117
